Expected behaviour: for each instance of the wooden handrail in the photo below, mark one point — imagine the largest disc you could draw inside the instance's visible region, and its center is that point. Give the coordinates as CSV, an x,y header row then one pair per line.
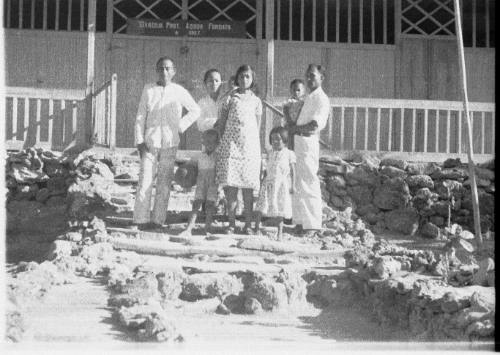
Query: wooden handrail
x,y
397,103
38,93
102,88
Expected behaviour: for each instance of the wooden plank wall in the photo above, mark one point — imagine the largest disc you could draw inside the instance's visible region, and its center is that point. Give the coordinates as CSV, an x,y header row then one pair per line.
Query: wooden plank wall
x,y
352,71
50,59
134,62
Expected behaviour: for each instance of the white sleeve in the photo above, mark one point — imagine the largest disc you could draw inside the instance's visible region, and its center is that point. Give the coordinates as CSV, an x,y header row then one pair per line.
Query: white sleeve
x,y
140,120
193,110
321,111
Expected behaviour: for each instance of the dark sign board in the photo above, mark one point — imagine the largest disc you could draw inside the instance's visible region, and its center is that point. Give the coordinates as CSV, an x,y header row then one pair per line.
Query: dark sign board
x,y
186,28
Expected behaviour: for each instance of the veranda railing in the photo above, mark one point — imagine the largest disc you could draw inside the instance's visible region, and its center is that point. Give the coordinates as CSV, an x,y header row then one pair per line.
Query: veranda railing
x,y
55,118
429,127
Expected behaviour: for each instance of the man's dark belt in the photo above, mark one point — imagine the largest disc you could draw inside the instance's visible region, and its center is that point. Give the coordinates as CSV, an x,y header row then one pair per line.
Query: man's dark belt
x,y
303,134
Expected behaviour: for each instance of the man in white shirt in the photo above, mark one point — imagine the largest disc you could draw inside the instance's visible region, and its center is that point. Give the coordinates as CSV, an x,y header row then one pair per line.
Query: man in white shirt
x,y
307,202
158,124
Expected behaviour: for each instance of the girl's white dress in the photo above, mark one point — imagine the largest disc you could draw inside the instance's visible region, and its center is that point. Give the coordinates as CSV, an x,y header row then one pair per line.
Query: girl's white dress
x,y
274,197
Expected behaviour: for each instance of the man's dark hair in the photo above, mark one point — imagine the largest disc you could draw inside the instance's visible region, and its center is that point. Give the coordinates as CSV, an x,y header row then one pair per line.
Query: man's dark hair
x,y
297,81
321,69
164,58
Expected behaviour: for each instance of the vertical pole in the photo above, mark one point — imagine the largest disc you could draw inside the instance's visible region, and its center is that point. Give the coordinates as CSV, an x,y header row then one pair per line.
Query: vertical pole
x,y
337,21
325,25
258,21
184,14
301,20
8,12
57,15
269,66
361,21
413,124
463,76
89,91
397,53
70,4
112,113
21,11
109,40
314,16
349,20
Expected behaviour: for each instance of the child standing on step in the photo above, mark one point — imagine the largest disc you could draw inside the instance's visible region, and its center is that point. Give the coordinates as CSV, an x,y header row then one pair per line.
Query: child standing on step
x,y
279,183
292,107
206,189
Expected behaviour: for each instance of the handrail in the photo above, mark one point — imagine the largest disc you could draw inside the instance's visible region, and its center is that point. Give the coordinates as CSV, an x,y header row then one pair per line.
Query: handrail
x,y
401,103
102,88
45,93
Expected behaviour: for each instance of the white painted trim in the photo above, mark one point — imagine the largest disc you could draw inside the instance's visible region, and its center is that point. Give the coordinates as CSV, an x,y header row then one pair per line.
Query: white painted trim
x,y
36,93
396,103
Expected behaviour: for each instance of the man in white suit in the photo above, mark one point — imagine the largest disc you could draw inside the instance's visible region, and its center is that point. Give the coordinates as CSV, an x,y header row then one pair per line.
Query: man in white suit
x,y
158,124
307,202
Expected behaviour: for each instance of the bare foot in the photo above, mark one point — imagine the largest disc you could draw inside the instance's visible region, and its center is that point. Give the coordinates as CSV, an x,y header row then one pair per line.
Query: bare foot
x,y
186,233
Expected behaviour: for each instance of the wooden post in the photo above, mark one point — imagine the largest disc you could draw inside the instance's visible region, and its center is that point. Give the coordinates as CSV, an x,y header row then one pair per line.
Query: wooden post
x,y
463,75
268,123
89,91
397,52
112,113
109,40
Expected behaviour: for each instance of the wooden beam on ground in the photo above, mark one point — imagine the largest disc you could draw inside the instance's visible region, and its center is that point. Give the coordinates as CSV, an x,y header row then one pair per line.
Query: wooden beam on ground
x,y
463,76
264,244
164,248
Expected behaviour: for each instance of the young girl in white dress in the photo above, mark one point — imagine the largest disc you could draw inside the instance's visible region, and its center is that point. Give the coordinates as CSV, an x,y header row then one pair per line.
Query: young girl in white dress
x,y
275,199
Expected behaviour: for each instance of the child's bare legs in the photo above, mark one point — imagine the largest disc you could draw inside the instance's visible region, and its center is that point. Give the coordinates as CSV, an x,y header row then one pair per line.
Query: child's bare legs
x,y
231,197
248,203
258,218
193,216
209,217
279,222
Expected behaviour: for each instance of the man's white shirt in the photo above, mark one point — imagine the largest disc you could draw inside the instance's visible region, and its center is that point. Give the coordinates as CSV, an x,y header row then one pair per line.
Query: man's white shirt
x,y
316,108
159,117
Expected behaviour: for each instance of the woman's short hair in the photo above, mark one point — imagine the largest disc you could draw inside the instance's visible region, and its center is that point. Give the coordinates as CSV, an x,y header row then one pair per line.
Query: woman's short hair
x,y
209,72
244,68
321,69
296,82
282,131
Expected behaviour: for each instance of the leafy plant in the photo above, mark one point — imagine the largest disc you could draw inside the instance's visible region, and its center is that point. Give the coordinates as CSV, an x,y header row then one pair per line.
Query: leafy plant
x,y
457,239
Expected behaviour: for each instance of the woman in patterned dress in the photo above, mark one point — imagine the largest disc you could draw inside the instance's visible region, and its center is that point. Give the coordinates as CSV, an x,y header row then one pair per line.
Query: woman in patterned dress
x,y
238,155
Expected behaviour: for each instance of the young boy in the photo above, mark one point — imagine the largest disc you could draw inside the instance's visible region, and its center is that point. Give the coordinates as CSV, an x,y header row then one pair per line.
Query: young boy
x,y
206,189
292,107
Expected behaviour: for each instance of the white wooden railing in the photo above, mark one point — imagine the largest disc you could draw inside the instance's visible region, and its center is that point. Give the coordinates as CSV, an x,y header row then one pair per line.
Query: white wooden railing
x,y
54,118
104,121
407,126
36,116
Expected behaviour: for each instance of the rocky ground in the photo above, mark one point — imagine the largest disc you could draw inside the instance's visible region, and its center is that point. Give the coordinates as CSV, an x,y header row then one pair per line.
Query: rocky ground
x,y
77,271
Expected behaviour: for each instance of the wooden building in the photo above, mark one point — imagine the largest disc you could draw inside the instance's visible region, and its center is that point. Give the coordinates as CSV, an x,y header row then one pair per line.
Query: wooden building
x,y
392,66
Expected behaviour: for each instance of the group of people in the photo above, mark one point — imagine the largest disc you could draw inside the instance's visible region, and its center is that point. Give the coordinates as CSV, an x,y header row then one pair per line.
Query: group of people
x,y
286,181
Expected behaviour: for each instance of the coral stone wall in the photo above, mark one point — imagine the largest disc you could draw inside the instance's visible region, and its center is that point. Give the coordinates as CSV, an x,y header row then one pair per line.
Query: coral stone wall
x,y
408,197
